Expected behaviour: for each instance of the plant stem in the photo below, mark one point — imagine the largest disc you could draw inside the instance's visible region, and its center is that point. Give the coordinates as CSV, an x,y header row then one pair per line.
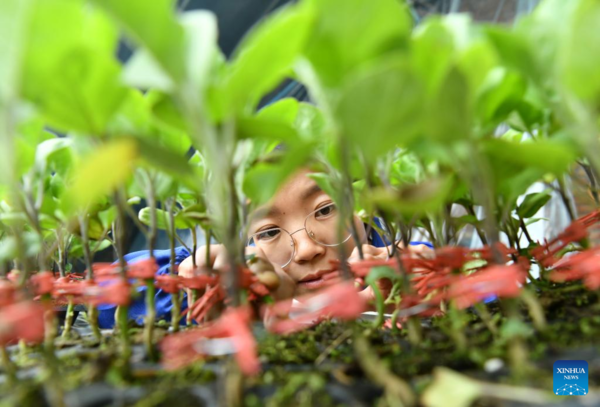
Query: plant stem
x,y
379,372
61,253
52,384
480,233
430,232
121,313
9,367
192,294
150,289
535,309
176,309
92,313
478,173
565,198
414,330
122,317
347,205
457,328
191,301
517,350
394,321
525,231
208,237
486,317
233,276
150,318
592,177
68,319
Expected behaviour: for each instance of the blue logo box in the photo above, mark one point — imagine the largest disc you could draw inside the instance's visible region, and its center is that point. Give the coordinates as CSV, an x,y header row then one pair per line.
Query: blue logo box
x,y
571,377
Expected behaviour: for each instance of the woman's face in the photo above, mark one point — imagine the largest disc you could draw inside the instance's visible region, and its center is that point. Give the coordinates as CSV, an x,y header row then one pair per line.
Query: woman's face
x,y
298,198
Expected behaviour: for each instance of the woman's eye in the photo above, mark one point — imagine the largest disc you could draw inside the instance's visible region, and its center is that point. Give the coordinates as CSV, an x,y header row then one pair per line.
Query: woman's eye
x,y
267,235
325,212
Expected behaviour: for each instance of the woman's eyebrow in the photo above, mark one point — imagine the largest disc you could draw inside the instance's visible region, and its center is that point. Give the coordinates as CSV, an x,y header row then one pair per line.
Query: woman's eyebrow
x,y
274,212
310,192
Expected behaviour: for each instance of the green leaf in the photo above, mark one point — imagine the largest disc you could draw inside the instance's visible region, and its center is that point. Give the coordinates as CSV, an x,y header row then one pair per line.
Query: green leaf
x,y
513,50
13,219
193,215
500,94
265,129
163,158
108,216
278,40
60,28
349,33
433,48
284,110
98,175
76,247
200,33
52,151
49,223
134,200
14,16
380,109
30,135
310,122
201,45
143,72
166,111
449,385
532,204
405,170
95,229
100,245
165,185
451,110
162,219
70,70
376,274
133,116
547,155
83,94
153,25
8,248
580,51
427,196
531,221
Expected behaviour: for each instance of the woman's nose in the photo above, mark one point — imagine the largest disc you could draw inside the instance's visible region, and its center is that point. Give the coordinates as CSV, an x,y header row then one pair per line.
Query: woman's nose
x,y
306,248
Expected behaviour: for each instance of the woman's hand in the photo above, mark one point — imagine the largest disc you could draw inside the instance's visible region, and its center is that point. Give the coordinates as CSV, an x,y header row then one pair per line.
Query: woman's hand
x,y
381,253
219,261
372,253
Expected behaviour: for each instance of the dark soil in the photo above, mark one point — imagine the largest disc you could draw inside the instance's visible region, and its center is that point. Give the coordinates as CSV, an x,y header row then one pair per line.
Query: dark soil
x,y
91,375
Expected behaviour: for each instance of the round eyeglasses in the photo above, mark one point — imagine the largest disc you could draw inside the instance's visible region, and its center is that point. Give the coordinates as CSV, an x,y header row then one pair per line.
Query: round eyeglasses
x,y
321,226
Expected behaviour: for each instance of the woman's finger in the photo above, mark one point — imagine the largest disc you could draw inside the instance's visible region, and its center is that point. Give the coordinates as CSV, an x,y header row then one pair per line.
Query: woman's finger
x,y
369,252
186,268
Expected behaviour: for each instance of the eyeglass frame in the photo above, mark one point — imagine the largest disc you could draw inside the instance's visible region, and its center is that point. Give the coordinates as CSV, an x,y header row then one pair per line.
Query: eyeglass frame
x,y
308,234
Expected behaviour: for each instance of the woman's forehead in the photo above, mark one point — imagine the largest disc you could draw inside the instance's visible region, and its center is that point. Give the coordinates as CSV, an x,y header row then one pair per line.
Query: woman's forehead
x,y
293,194
298,186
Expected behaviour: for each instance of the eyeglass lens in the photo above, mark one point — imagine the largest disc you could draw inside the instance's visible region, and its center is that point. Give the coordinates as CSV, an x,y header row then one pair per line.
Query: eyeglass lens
x,y
278,244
